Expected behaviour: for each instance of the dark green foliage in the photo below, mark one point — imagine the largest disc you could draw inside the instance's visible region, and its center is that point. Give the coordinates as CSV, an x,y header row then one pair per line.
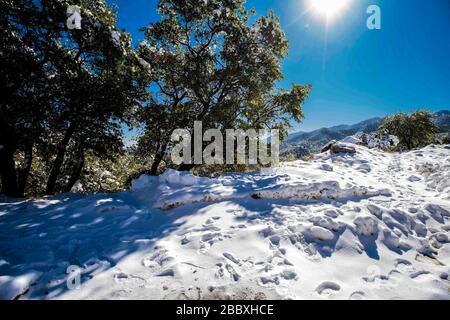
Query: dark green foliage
x,y
414,131
66,90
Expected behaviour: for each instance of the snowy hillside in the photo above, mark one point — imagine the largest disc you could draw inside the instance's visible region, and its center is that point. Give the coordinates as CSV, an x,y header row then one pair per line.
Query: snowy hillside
x,y
369,225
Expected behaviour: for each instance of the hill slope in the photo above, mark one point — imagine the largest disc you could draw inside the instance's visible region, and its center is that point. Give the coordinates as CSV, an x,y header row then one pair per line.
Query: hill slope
x,y
303,143
442,120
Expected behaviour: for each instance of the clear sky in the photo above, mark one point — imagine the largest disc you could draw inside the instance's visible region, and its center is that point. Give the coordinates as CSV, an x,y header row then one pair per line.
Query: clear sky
x,y
356,73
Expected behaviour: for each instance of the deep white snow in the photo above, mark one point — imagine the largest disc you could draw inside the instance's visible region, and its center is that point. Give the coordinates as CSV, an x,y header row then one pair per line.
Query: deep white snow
x,y
370,225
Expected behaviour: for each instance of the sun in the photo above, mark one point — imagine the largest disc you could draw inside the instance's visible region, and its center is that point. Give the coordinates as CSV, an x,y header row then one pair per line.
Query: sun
x,y
329,8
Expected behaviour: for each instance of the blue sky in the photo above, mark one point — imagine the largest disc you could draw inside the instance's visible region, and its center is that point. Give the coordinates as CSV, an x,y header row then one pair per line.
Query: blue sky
x,y
356,73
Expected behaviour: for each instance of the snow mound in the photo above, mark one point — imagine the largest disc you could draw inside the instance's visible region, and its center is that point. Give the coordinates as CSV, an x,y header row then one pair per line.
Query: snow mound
x,y
144,181
352,139
173,189
317,191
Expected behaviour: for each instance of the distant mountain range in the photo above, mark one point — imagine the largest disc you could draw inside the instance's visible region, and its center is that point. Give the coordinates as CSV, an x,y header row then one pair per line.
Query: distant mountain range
x,y
442,120
303,143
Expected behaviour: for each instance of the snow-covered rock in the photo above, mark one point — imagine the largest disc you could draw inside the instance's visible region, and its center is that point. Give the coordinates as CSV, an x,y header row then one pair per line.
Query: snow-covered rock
x,y
327,147
338,147
342,148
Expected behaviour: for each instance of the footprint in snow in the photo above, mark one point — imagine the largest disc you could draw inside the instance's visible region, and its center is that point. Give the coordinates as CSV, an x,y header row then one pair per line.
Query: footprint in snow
x,y
208,222
269,281
414,178
208,239
276,279
120,277
419,274
275,240
404,266
327,289
233,274
289,275
121,294
230,257
158,261
240,226
357,295
123,278
227,269
378,279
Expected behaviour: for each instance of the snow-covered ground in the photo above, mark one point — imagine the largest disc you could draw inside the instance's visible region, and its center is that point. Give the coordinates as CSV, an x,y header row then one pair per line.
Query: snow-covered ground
x,y
370,225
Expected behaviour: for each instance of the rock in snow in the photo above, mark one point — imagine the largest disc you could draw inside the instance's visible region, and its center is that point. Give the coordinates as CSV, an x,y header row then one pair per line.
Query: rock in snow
x,y
363,225
327,147
342,148
338,147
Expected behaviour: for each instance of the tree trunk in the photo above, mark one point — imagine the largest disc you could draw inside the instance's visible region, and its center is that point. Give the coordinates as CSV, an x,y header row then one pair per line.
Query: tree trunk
x,y
8,173
155,164
76,173
159,156
190,166
25,172
59,160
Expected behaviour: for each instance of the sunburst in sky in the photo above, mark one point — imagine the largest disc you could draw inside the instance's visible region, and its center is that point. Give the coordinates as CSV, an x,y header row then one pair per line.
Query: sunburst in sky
x,y
329,8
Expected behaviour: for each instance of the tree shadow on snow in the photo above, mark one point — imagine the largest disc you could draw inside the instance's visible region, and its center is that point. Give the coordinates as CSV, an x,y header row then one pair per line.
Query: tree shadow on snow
x,y
96,232
40,239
